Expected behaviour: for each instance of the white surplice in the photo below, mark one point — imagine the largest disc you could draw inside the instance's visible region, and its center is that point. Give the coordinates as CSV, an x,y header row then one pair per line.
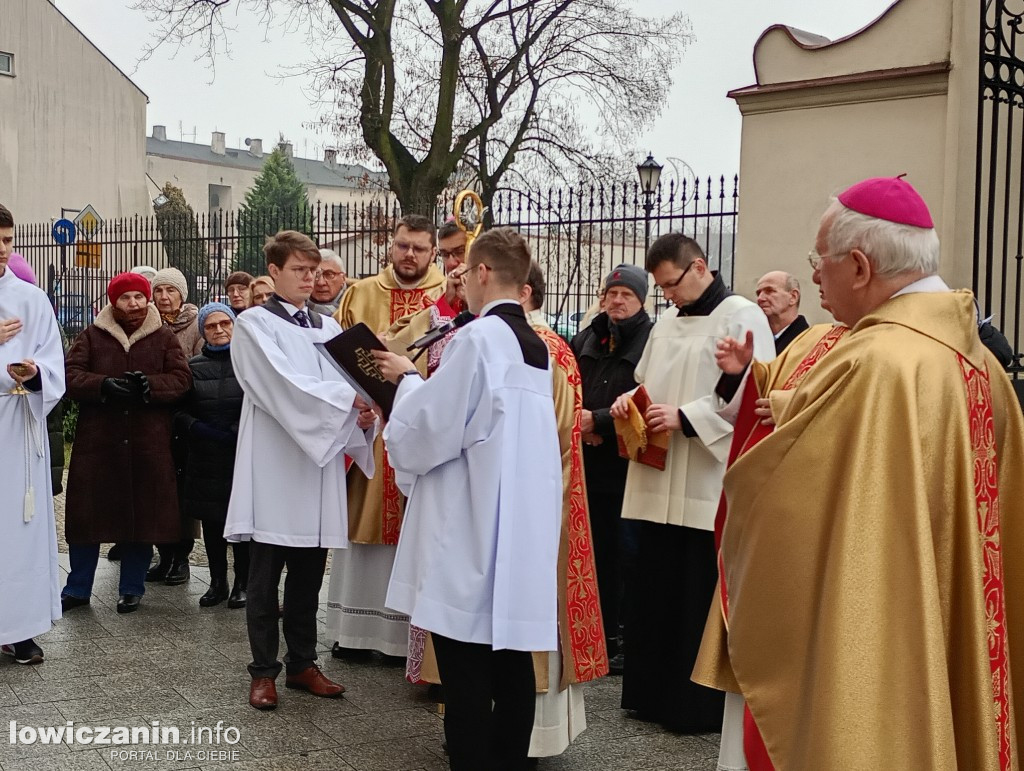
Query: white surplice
x,y
30,600
678,368
475,449
298,422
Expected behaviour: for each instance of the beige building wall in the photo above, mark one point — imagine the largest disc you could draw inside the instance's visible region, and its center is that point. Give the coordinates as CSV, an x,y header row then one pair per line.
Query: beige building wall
x,y
818,120
72,126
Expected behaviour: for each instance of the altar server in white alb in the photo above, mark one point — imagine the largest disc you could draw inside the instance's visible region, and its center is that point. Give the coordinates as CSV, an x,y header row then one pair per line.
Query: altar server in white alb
x,y
670,591
299,419
475,448
31,384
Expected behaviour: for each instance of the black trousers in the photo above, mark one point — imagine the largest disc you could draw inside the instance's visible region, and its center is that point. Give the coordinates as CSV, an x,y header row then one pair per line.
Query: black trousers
x,y
668,596
176,551
217,553
490,698
301,598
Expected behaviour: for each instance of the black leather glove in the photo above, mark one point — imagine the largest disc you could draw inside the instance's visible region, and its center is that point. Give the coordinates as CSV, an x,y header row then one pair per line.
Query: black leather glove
x,y
117,390
139,384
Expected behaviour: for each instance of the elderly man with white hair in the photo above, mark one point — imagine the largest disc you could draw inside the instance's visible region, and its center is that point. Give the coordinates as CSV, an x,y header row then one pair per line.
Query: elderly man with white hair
x,y
329,283
872,558
778,295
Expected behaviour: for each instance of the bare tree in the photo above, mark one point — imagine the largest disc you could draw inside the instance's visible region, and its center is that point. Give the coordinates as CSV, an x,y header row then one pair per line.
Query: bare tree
x,y
436,88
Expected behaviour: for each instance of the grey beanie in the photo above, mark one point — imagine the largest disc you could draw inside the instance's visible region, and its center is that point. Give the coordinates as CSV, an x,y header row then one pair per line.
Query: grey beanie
x,y
172,277
631,277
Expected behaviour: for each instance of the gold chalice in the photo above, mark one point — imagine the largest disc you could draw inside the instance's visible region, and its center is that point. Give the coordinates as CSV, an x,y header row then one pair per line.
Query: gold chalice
x,y
21,370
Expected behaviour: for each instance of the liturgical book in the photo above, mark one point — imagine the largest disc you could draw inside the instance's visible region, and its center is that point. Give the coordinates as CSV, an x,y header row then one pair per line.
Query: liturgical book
x,y
636,441
351,354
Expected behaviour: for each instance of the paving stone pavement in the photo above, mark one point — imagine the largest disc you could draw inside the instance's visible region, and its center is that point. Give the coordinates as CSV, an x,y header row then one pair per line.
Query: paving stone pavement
x,y
173,663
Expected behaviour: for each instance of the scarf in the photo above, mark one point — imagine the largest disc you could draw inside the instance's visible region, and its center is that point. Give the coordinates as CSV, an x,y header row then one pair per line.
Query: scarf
x,y
130,321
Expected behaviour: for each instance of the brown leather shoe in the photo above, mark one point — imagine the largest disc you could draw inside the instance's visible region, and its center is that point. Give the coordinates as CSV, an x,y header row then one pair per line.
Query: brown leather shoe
x,y
263,693
313,680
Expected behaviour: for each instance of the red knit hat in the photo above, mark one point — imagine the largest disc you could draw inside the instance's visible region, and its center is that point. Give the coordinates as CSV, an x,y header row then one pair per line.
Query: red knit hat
x,y
888,198
128,282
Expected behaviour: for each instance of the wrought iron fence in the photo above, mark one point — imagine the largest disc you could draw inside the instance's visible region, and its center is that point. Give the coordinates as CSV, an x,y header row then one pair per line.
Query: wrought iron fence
x,y
999,184
577,234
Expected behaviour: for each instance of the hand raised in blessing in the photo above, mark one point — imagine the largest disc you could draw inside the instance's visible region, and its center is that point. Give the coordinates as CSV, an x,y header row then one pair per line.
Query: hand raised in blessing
x,y
733,356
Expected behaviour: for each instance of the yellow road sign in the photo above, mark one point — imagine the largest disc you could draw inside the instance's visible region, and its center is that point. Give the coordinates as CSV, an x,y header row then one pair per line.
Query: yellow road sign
x,y
88,255
88,221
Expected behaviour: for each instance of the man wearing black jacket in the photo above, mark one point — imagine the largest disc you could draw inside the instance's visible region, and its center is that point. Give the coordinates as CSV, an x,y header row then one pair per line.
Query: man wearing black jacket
x,y
778,295
608,351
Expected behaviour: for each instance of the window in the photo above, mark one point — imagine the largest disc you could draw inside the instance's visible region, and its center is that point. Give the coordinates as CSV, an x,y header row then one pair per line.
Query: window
x,y
6,64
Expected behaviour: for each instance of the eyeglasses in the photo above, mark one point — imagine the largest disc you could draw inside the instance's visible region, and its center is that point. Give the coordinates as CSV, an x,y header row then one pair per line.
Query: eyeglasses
x,y
471,269
237,289
458,252
419,251
816,259
212,326
678,281
327,275
303,272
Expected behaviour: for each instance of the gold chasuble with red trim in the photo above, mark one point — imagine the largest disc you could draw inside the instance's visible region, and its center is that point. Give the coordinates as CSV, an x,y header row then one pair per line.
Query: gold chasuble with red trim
x,y
874,553
580,628
375,506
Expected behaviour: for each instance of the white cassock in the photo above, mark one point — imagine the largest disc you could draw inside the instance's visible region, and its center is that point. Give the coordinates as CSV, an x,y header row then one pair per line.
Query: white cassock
x,y
297,424
475,449
29,575
357,616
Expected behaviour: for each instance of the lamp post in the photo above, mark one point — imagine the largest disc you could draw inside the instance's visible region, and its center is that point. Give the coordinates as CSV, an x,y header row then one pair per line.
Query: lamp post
x,y
650,173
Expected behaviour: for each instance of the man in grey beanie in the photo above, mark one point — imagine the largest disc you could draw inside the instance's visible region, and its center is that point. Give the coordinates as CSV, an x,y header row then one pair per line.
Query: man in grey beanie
x,y
608,351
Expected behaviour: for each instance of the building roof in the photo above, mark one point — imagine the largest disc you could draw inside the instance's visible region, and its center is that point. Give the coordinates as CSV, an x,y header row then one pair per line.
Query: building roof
x,y
97,49
310,170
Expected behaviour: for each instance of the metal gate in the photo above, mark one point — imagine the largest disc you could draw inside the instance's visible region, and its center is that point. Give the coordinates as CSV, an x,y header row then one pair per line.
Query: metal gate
x,y
999,184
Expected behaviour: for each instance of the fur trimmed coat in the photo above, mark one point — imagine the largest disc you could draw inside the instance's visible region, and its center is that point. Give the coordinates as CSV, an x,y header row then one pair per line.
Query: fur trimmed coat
x,y
121,481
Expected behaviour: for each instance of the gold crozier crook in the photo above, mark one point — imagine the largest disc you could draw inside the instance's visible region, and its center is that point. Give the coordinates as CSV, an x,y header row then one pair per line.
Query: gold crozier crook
x,y
473,224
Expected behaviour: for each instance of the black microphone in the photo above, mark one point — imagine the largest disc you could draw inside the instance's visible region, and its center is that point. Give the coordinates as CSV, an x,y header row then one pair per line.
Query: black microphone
x,y
437,333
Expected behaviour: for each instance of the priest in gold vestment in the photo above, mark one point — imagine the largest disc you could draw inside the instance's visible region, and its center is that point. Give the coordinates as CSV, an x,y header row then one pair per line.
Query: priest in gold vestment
x,y
873,554
421,664
356,616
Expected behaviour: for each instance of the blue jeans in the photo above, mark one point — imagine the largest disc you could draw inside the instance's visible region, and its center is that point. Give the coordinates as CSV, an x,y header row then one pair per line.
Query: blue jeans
x,y
135,558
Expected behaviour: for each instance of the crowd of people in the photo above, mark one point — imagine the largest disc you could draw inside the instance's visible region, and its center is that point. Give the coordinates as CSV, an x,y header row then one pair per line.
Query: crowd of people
x,y
803,536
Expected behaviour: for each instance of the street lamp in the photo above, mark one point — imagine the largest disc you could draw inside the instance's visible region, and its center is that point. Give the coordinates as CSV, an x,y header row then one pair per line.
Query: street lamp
x,y
650,173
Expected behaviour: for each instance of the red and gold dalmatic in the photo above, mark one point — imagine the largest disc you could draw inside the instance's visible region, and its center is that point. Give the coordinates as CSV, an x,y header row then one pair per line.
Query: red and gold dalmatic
x,y
873,555
580,628
375,506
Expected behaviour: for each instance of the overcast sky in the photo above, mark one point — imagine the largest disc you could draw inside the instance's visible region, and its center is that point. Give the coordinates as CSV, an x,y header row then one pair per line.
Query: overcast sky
x,y
248,98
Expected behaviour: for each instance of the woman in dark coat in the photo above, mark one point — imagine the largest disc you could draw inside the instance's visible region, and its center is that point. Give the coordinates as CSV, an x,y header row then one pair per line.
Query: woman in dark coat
x,y
209,420
127,372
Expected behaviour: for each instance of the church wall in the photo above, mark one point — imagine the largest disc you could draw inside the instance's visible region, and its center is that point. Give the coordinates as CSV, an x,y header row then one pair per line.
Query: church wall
x,y
819,118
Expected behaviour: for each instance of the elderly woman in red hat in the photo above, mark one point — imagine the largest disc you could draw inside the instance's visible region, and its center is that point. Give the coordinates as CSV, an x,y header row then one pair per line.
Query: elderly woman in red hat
x,y
127,371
